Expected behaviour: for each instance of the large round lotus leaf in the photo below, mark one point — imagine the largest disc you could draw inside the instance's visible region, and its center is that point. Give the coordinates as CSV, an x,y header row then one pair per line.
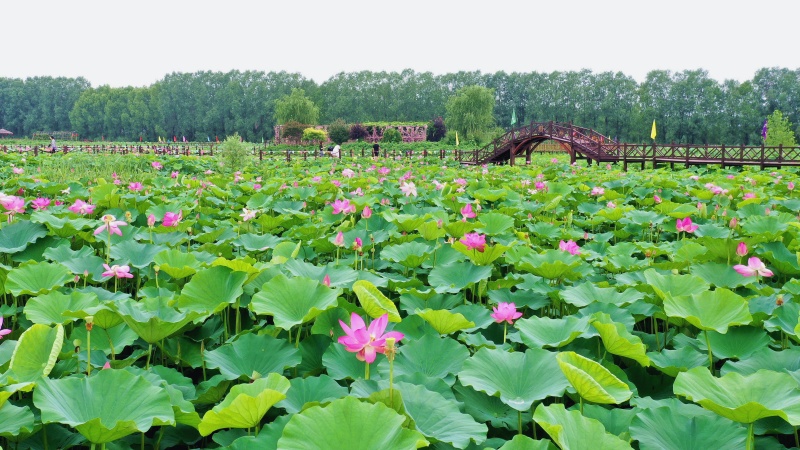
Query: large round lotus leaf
x,y
16,421
439,418
663,429
37,278
351,424
522,442
50,308
408,254
552,264
719,275
245,405
547,332
737,343
492,223
454,277
710,310
445,322
432,356
251,354
257,243
104,407
341,276
593,382
137,255
163,378
674,285
519,378
176,263
586,293
104,317
741,398
572,431
211,290
618,340
775,360
293,301
341,364
152,319
311,390
485,408
36,352
373,301
671,362
267,438
489,254
16,236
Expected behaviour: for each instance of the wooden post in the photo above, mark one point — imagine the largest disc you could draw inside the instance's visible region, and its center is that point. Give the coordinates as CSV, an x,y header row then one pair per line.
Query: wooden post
x,y
723,155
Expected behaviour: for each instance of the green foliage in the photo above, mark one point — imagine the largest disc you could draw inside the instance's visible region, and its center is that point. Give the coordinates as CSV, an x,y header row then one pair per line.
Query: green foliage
x,y
392,135
233,153
296,107
338,131
314,135
293,130
779,131
469,111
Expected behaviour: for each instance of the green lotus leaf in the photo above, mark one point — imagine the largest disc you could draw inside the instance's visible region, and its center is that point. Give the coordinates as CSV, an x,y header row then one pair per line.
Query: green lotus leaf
x,y
445,322
152,319
245,405
454,277
432,356
486,408
351,424
484,258
742,398
672,362
50,308
293,301
439,418
546,332
104,407
267,439
340,276
593,382
710,310
618,340
404,222
138,255
552,264
431,231
16,236
490,195
176,263
16,420
408,254
570,429
104,316
674,285
311,390
737,343
37,278
211,290
778,361
341,364
767,228
10,389
661,428
519,378
586,293
522,442
36,352
719,275
257,243
779,257
164,378
252,353
492,223
373,301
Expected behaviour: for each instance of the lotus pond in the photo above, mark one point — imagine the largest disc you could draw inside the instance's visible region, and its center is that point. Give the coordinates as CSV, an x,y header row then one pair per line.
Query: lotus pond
x,y
397,304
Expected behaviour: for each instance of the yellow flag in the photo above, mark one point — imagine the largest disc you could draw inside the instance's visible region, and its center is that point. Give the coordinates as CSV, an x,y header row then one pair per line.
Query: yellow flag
x,y
653,131
456,138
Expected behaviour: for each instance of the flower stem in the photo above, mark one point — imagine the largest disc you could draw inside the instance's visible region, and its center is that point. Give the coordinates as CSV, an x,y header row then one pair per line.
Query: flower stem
x,y
505,330
88,352
366,371
710,355
750,438
519,422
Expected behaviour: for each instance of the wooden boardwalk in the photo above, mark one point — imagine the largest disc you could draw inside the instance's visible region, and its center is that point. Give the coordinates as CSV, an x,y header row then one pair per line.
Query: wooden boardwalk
x,y
585,143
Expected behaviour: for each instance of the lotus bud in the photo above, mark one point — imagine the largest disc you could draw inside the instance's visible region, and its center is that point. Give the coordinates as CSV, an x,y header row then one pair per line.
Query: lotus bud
x,y
156,269
779,300
327,280
391,350
89,322
77,344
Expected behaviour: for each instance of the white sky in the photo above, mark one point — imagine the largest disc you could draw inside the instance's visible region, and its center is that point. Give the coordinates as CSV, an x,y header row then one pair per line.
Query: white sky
x,y
136,43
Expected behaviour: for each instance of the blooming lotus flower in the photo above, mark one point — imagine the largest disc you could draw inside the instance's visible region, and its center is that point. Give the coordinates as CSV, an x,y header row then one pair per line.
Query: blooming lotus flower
x,y
467,212
348,173
685,225
505,312
741,250
248,214
460,181
117,271
384,171
81,207
40,204
171,219
13,204
358,244
343,206
18,170
2,331
570,247
135,186
111,224
790,186
749,195
174,174
754,267
474,241
156,165
438,186
656,199
367,342
408,189
597,191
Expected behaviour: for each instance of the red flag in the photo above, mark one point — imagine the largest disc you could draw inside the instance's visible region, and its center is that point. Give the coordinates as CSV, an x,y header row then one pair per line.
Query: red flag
x,y
174,138
217,138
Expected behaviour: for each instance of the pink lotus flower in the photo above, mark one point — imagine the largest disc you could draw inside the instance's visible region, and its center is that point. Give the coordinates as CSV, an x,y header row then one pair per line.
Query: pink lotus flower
x,y
111,224
366,212
741,250
327,280
348,173
790,186
171,219
358,244
151,220
339,240
754,267
685,225
597,191
174,174
117,271
749,195
570,247
13,204
343,206
156,165
460,181
135,186
384,171
657,199
505,312
467,212
408,189
365,342
248,214
18,170
81,207
2,331
40,204
474,241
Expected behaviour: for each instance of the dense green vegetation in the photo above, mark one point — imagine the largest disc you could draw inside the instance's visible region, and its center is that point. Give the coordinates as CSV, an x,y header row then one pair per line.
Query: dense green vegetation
x,y
688,106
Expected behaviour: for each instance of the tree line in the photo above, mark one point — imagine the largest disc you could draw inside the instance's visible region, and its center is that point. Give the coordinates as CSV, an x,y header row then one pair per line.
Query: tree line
x,y
688,106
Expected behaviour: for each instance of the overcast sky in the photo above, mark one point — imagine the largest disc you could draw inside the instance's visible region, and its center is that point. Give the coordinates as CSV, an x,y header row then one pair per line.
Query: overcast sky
x,y
136,43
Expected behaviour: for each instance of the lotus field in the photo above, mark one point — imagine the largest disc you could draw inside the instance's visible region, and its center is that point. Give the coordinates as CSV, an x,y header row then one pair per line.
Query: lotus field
x,y
397,304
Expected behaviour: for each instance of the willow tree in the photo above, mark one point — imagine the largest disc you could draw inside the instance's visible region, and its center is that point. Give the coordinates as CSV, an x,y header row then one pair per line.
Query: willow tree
x,y
470,111
296,107
779,131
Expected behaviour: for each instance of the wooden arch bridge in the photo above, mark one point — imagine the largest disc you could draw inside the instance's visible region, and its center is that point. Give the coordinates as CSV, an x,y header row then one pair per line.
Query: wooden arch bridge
x,y
585,143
